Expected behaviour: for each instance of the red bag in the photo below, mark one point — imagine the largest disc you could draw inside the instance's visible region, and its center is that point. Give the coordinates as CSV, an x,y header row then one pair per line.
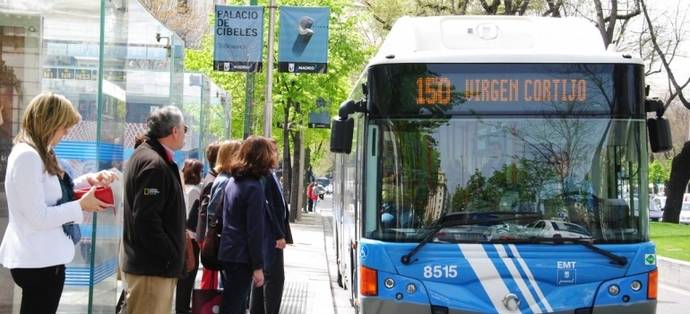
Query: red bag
x,y
206,301
103,193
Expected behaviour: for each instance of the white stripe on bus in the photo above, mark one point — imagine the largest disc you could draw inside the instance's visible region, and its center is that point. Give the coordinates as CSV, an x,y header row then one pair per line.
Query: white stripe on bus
x,y
532,282
487,274
517,278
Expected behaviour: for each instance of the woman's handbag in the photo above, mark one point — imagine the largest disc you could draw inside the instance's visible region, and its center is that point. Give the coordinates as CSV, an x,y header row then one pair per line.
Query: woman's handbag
x,y
103,193
211,237
211,244
189,256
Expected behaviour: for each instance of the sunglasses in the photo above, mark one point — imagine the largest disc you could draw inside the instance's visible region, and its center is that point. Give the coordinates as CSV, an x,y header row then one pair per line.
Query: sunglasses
x,y
184,128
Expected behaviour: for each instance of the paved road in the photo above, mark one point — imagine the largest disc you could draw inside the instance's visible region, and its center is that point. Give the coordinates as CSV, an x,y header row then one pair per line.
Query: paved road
x,y
673,300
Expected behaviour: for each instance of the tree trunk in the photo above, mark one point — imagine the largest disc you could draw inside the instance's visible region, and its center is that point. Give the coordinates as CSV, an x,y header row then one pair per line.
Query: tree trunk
x,y
680,173
287,168
309,174
295,189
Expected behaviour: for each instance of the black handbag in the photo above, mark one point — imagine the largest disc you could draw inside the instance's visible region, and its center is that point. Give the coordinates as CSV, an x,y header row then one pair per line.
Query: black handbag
x,y
211,240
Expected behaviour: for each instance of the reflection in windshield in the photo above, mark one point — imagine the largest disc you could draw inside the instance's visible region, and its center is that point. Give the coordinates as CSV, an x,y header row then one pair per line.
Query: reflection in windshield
x,y
580,176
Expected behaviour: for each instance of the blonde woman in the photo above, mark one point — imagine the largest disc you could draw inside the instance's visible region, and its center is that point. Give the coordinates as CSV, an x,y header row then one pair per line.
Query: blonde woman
x,y
36,247
226,154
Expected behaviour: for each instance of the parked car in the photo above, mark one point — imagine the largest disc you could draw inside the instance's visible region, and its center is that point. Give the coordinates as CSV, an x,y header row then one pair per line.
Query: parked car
x,y
323,181
556,228
656,208
685,213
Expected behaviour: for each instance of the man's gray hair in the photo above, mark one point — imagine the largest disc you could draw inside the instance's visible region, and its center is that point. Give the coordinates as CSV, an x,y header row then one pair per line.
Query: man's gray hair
x,y
163,120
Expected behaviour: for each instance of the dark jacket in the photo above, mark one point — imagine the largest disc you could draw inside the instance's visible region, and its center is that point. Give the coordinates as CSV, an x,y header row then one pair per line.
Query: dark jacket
x,y
154,214
277,222
197,220
244,219
279,209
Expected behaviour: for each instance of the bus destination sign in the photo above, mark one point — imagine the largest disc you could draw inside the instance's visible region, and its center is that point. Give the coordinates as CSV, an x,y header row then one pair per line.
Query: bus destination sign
x,y
438,90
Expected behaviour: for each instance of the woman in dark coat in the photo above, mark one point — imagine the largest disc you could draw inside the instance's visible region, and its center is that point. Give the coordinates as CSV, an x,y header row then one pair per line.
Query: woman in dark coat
x,y
244,218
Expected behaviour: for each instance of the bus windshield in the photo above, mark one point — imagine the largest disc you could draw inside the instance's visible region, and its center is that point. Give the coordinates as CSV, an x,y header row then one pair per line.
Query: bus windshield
x,y
520,177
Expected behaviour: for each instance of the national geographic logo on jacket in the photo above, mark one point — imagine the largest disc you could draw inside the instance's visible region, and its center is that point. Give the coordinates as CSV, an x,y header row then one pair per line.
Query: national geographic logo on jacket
x,y
151,191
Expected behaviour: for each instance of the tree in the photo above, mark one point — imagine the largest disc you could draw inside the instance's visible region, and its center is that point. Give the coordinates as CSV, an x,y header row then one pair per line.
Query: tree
x,y
680,166
659,172
294,95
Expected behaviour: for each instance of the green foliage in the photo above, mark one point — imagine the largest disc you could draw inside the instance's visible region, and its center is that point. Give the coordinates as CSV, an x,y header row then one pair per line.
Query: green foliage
x,y
659,171
476,196
505,189
294,95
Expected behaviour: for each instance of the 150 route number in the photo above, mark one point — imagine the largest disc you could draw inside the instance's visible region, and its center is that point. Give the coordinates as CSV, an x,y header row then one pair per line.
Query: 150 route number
x,y
441,271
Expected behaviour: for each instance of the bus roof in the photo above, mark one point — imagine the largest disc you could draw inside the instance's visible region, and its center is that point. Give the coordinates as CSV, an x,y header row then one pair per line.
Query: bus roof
x,y
495,39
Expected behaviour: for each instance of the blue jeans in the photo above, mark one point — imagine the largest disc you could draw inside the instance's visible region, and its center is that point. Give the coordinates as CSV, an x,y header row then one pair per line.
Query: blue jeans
x,y
237,288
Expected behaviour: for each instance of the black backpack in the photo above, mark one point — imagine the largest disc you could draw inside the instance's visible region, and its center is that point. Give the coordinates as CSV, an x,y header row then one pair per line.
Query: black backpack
x,y
197,214
209,234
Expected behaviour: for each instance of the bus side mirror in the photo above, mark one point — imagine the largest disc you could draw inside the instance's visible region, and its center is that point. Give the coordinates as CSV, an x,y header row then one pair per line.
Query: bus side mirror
x,y
341,135
659,134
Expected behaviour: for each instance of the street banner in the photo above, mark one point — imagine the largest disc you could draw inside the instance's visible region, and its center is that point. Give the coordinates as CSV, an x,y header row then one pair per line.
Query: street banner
x,y
320,119
303,42
238,40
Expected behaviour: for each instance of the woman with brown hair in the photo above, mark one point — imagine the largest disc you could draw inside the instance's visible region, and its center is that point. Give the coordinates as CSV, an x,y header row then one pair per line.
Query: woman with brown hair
x,y
191,178
244,218
44,214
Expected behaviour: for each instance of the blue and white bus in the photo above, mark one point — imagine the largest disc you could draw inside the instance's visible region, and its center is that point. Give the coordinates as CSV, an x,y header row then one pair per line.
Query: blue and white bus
x,y
496,165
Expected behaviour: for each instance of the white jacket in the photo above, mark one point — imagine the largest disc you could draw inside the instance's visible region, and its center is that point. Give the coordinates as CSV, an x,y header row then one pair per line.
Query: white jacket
x,y
34,236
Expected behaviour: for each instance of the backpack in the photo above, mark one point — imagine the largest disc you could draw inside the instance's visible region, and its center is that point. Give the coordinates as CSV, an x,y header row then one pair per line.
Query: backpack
x,y
198,214
209,234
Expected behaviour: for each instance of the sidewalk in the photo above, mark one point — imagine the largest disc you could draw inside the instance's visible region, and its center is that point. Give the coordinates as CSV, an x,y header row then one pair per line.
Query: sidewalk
x,y
307,288
310,269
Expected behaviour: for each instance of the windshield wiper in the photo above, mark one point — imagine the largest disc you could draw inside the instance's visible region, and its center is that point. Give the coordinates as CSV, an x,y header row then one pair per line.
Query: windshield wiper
x,y
462,219
615,259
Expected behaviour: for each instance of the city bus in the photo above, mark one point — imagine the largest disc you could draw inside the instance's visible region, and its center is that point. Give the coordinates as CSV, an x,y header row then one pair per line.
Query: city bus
x,y
496,165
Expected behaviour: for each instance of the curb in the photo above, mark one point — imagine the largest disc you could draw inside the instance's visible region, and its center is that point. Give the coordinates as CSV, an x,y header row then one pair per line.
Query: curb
x,y
673,272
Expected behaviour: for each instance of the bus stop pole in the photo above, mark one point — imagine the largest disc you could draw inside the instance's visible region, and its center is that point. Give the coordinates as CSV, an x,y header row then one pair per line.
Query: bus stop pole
x,y
249,99
268,96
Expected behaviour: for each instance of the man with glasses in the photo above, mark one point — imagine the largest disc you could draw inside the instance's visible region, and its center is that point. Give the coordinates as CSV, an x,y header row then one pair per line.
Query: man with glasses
x,y
154,216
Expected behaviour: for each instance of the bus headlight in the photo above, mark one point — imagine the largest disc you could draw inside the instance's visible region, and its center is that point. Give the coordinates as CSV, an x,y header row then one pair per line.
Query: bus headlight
x,y
389,283
411,288
614,290
636,285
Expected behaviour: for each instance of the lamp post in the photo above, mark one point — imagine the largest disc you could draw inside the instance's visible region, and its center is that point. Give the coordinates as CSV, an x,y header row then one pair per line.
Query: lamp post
x,y
268,97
